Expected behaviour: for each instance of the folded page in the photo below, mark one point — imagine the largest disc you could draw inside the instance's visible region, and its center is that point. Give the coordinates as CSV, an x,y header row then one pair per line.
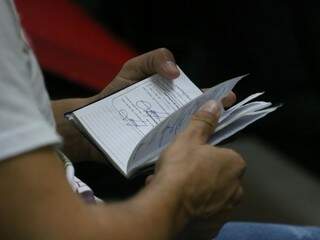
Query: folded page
x,y
226,113
241,111
238,125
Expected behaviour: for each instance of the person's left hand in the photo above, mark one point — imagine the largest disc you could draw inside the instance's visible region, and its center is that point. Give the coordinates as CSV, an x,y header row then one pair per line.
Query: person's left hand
x,y
160,61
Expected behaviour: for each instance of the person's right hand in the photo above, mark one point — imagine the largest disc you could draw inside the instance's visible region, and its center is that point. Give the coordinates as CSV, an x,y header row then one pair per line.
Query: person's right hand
x,y
208,177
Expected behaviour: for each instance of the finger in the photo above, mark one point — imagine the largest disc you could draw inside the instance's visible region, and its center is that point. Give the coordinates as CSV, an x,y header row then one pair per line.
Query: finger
x,y
159,61
236,164
236,198
149,179
203,123
229,100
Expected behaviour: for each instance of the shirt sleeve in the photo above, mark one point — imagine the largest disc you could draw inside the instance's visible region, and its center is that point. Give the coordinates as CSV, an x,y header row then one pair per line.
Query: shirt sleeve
x,y
23,125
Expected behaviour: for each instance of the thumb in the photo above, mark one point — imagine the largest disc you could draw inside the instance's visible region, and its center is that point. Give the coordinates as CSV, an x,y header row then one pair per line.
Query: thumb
x,y
159,61
203,123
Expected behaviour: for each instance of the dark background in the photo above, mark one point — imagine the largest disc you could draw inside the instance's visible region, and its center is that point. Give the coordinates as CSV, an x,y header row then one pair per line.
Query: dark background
x,y
277,42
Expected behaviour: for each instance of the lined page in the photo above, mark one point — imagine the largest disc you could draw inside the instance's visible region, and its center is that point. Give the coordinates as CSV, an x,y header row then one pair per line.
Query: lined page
x,y
119,122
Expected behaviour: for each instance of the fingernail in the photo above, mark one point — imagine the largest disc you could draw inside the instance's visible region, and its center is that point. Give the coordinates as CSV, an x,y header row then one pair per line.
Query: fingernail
x,y
170,67
210,106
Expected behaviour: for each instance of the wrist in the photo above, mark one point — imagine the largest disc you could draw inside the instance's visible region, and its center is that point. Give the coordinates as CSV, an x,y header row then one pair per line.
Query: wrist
x,y
170,193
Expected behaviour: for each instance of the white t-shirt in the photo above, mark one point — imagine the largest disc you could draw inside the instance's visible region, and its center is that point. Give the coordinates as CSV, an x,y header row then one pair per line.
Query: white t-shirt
x,y
26,119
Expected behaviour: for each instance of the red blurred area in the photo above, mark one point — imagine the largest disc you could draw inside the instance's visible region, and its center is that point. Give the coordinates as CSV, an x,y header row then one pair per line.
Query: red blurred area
x,y
68,42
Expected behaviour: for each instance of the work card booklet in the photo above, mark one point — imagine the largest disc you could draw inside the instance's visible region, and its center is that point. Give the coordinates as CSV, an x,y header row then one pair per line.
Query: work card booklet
x,y
132,127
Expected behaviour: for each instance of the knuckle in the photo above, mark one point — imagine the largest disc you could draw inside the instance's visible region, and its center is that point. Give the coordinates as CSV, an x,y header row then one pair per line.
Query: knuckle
x,y
206,117
235,158
165,52
234,155
241,162
128,65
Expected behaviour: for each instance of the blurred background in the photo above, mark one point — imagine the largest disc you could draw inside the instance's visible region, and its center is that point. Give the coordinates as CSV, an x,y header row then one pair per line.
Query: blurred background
x,y
81,45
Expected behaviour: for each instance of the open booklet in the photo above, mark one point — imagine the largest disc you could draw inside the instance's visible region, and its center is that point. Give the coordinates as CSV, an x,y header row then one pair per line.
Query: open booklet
x,y
132,127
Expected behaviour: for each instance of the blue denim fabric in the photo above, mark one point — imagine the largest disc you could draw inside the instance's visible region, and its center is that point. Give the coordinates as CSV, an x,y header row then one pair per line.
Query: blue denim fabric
x,y
261,231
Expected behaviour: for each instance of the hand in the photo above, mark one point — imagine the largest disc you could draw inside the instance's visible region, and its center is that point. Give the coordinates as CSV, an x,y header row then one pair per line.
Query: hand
x,y
159,61
208,177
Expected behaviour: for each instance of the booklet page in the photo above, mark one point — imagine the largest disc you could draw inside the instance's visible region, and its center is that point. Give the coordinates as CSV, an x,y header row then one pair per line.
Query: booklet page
x,y
120,121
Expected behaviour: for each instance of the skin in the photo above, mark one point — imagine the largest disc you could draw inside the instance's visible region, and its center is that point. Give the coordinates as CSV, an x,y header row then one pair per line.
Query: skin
x,y
192,180
132,71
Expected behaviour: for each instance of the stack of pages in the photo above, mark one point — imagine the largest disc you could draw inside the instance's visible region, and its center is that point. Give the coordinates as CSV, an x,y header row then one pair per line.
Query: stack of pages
x,y
132,127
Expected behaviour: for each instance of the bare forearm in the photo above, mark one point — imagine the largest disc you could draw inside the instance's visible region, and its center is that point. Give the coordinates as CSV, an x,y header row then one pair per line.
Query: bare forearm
x,y
156,213
52,211
76,146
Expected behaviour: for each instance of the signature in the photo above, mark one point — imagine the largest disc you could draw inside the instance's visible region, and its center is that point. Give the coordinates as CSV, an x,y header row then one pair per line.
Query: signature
x,y
146,107
131,122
